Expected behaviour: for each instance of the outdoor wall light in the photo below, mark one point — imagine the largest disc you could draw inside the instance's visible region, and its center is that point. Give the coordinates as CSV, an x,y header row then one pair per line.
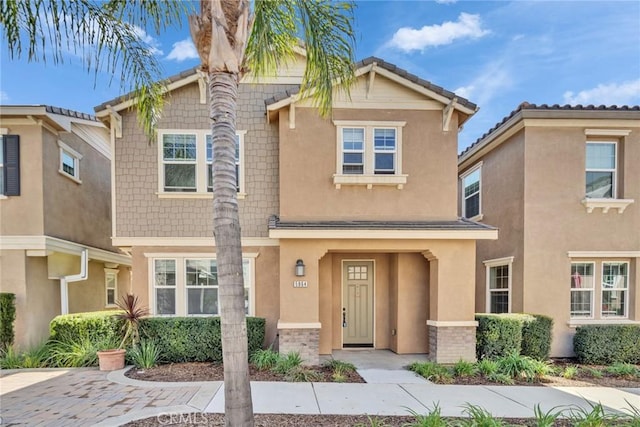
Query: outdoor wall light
x,y
299,268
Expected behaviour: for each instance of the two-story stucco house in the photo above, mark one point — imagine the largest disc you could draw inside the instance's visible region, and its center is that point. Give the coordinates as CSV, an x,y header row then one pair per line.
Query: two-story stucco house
x,y
350,232
55,202
562,184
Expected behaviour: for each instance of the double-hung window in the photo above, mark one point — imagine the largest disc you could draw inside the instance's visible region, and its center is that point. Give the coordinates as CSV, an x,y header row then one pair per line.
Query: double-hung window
x,y
498,279
69,162
582,286
179,158
615,277
186,159
111,286
369,153
353,151
164,286
603,284
601,169
187,285
210,162
471,197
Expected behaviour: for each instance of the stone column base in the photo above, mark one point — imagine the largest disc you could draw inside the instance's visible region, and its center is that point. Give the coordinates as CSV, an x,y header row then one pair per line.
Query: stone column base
x,y
301,337
452,341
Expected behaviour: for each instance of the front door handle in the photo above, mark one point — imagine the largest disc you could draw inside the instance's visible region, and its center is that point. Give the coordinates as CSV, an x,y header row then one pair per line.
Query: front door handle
x,y
344,317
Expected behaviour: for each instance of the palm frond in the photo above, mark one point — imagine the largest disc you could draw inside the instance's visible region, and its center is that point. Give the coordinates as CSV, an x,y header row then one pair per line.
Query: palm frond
x,y
105,36
328,36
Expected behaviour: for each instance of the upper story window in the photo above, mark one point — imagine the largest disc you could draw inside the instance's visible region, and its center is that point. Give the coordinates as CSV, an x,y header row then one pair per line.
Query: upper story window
x,y
471,196
210,163
369,153
601,169
9,165
186,159
69,162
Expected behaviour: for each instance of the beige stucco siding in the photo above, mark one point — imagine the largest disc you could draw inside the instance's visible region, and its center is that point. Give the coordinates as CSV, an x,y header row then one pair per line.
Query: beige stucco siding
x,y
502,205
23,215
308,156
37,297
90,294
76,212
557,222
139,211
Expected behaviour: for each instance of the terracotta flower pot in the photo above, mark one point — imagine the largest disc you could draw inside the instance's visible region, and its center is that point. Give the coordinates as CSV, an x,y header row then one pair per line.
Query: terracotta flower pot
x,y
111,360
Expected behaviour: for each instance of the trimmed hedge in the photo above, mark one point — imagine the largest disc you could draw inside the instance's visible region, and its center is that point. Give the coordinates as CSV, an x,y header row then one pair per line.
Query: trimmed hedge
x,y
536,337
97,326
7,317
497,335
195,339
605,344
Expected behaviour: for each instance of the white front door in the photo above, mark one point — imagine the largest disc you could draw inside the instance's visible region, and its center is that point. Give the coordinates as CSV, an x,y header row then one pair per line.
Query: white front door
x,y
357,300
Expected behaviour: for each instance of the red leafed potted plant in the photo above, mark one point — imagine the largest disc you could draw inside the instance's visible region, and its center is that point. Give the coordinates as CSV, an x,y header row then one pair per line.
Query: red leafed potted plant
x,y
132,312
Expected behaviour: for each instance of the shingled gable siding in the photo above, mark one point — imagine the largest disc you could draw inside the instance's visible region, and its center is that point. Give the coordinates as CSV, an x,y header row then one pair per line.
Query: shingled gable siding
x,y
140,213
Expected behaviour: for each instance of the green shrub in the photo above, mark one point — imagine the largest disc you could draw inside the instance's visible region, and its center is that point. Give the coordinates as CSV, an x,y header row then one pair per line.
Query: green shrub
x,y
606,344
497,335
265,359
432,371
300,374
287,363
570,372
340,365
487,367
10,359
95,326
479,417
78,353
518,367
145,354
195,339
7,317
536,337
462,368
620,369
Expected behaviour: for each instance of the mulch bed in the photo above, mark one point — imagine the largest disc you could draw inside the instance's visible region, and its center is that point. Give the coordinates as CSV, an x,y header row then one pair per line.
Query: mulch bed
x,y
205,371
277,420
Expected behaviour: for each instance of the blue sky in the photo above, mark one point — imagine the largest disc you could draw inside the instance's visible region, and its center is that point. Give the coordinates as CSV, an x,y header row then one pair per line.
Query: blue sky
x,y
497,54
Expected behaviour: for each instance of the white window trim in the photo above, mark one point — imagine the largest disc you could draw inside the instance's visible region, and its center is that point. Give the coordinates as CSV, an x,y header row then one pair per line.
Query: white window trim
x,y
615,203
593,291
181,289
201,165
498,262
626,290
614,171
477,166
64,148
111,272
369,178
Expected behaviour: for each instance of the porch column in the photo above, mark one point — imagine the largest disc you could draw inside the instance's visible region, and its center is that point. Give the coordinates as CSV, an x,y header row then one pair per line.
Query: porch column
x,y
451,323
299,323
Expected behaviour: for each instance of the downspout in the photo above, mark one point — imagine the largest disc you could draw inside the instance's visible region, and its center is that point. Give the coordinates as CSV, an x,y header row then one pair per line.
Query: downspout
x,y
65,280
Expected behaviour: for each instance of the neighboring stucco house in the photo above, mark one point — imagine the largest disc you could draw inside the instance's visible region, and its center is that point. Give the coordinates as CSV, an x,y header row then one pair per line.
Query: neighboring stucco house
x,y
363,204
54,206
562,184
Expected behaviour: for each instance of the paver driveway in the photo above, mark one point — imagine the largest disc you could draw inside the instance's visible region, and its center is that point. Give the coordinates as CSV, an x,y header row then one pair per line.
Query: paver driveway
x,y
78,397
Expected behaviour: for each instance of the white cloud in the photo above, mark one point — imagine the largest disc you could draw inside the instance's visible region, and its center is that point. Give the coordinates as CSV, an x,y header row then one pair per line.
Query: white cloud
x,y
4,97
608,94
494,78
152,43
183,50
467,26
446,1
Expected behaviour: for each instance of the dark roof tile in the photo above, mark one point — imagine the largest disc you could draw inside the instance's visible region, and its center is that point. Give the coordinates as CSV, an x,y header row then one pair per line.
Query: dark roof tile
x,y
459,224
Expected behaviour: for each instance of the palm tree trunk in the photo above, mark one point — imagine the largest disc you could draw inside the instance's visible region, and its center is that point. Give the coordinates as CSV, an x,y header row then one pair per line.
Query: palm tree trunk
x,y
223,93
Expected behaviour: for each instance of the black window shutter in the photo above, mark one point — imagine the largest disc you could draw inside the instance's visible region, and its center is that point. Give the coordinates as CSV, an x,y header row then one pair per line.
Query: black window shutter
x,y
12,164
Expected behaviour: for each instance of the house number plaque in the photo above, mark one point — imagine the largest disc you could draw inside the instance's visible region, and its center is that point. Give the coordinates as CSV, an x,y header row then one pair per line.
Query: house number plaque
x,y
300,284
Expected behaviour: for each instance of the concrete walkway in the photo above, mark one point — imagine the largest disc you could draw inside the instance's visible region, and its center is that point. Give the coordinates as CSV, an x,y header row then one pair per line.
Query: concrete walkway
x,y
88,397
